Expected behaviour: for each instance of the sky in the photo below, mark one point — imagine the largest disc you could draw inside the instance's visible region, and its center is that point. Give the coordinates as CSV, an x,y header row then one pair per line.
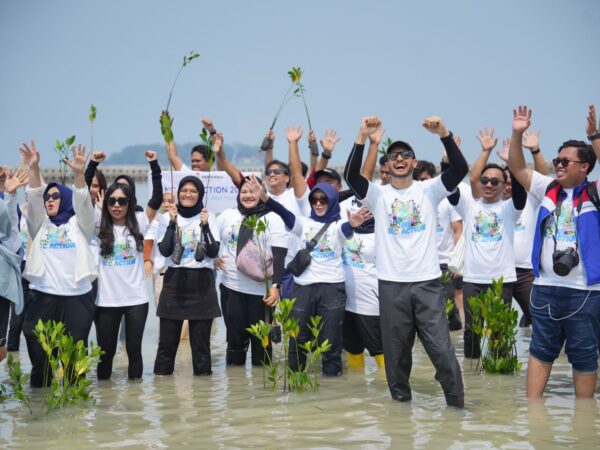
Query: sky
x,y
469,61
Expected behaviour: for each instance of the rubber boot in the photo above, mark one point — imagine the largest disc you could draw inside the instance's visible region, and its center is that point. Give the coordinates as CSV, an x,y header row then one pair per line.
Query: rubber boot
x,y
380,361
355,361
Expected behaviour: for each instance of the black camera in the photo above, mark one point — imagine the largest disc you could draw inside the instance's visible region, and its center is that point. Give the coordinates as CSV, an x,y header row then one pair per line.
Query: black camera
x,y
563,261
275,334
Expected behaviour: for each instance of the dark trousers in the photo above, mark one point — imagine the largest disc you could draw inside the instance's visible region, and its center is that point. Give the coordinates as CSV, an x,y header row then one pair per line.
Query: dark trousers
x,y
327,300
5,306
240,312
16,320
107,321
449,292
407,309
75,312
472,346
362,332
522,291
168,342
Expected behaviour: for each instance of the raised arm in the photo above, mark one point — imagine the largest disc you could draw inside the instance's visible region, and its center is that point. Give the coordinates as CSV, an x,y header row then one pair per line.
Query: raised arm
x,y
357,182
19,178
488,142
592,130
94,162
368,168
293,135
516,159
174,158
289,219
157,189
223,162
82,203
328,145
313,147
531,141
267,146
36,213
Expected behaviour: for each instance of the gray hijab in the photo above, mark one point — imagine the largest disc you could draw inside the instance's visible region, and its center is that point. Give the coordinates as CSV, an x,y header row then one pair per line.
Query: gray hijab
x,y
10,264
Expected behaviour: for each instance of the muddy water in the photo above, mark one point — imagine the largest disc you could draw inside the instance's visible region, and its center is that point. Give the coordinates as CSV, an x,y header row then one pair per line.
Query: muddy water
x,y
231,409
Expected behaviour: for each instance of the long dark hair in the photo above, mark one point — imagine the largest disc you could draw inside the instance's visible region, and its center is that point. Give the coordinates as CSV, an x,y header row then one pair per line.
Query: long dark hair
x,y
101,180
106,235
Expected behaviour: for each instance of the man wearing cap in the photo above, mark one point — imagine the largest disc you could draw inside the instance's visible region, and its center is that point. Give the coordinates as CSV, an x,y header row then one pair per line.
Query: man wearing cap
x,y
411,296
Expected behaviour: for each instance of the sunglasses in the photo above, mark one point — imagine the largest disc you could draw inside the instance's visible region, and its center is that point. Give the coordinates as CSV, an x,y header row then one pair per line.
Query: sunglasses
x,y
564,162
274,172
121,201
321,199
485,180
53,196
405,154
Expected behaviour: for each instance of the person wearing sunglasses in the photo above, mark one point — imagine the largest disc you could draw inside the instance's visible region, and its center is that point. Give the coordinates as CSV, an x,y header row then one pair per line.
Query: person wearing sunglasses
x,y
411,298
565,300
489,224
122,292
60,265
186,241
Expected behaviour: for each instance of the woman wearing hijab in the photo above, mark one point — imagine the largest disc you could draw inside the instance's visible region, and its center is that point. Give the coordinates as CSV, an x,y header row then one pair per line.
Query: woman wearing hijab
x,y
10,262
60,266
122,292
243,296
319,289
188,292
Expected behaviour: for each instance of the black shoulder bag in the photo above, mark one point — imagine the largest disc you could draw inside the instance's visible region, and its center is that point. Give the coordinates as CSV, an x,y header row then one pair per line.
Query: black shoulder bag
x,y
302,259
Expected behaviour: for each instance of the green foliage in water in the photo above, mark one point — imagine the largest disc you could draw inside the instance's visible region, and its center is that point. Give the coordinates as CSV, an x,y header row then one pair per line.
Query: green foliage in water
x,y
449,308
495,323
18,381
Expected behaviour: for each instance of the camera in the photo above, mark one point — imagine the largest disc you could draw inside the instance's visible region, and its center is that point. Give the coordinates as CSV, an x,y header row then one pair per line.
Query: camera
x,y
563,261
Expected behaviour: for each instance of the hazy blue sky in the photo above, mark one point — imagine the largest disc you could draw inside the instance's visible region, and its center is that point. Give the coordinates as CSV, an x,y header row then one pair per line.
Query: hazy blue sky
x,y
469,61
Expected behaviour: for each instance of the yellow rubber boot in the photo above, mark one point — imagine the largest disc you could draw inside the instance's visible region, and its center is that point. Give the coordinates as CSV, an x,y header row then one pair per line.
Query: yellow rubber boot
x,y
355,361
380,362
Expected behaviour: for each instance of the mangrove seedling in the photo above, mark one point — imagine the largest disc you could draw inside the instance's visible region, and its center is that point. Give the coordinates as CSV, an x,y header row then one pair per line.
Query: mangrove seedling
x,y
384,146
62,148
92,118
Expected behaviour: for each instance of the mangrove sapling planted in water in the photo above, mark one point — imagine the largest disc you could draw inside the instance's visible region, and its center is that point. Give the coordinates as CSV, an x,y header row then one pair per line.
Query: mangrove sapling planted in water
x,y
449,308
62,148
495,323
16,386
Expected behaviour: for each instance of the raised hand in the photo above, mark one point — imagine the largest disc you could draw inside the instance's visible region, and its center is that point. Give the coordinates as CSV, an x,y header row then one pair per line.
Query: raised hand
x,y
357,218
435,125
151,155
330,140
369,125
257,188
98,157
531,140
77,164
204,216
100,199
217,142
312,137
19,178
521,119
487,140
208,124
591,128
293,133
376,137
30,155
173,212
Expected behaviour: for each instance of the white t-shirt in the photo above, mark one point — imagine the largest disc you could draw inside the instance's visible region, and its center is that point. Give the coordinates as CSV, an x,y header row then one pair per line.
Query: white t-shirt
x,y
326,264
489,235
57,246
24,232
405,229
228,227
121,279
157,259
525,232
300,207
566,236
446,215
191,235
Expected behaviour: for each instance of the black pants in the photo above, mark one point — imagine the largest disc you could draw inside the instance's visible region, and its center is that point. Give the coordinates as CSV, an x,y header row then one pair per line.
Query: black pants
x,y
107,321
449,292
522,291
168,342
75,312
472,346
4,316
327,300
16,320
362,332
408,309
240,311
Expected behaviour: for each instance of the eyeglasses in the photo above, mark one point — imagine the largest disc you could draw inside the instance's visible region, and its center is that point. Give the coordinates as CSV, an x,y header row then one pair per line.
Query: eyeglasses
x,y
188,192
53,196
564,162
274,172
121,201
321,199
485,180
405,154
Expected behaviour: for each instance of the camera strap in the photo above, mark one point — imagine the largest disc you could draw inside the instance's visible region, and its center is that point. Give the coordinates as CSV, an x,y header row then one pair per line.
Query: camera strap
x,y
557,212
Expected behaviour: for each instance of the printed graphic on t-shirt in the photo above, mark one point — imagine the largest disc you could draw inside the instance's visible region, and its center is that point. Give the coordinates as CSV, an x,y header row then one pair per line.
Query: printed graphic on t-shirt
x,y
322,250
405,218
486,227
56,238
232,237
519,226
566,225
189,240
438,227
352,253
123,254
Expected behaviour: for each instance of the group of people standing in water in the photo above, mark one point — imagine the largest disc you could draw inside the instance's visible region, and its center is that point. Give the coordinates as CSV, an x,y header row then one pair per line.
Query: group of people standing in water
x,y
374,260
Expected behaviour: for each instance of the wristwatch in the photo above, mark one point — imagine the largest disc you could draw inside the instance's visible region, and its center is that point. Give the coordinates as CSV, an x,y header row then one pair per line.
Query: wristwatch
x,y
593,137
276,286
535,152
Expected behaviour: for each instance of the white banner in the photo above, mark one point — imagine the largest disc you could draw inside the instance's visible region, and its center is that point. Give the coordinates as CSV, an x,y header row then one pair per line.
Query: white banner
x,y
220,192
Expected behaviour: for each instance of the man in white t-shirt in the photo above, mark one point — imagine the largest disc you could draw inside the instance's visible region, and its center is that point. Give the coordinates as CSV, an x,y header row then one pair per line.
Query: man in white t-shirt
x,y
411,296
200,154
565,301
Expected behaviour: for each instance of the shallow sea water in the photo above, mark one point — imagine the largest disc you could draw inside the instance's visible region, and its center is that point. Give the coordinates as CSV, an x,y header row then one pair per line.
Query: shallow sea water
x,y
231,409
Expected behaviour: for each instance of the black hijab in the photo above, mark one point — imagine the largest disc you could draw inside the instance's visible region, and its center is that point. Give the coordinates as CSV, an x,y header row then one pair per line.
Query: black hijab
x,y
245,233
190,211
